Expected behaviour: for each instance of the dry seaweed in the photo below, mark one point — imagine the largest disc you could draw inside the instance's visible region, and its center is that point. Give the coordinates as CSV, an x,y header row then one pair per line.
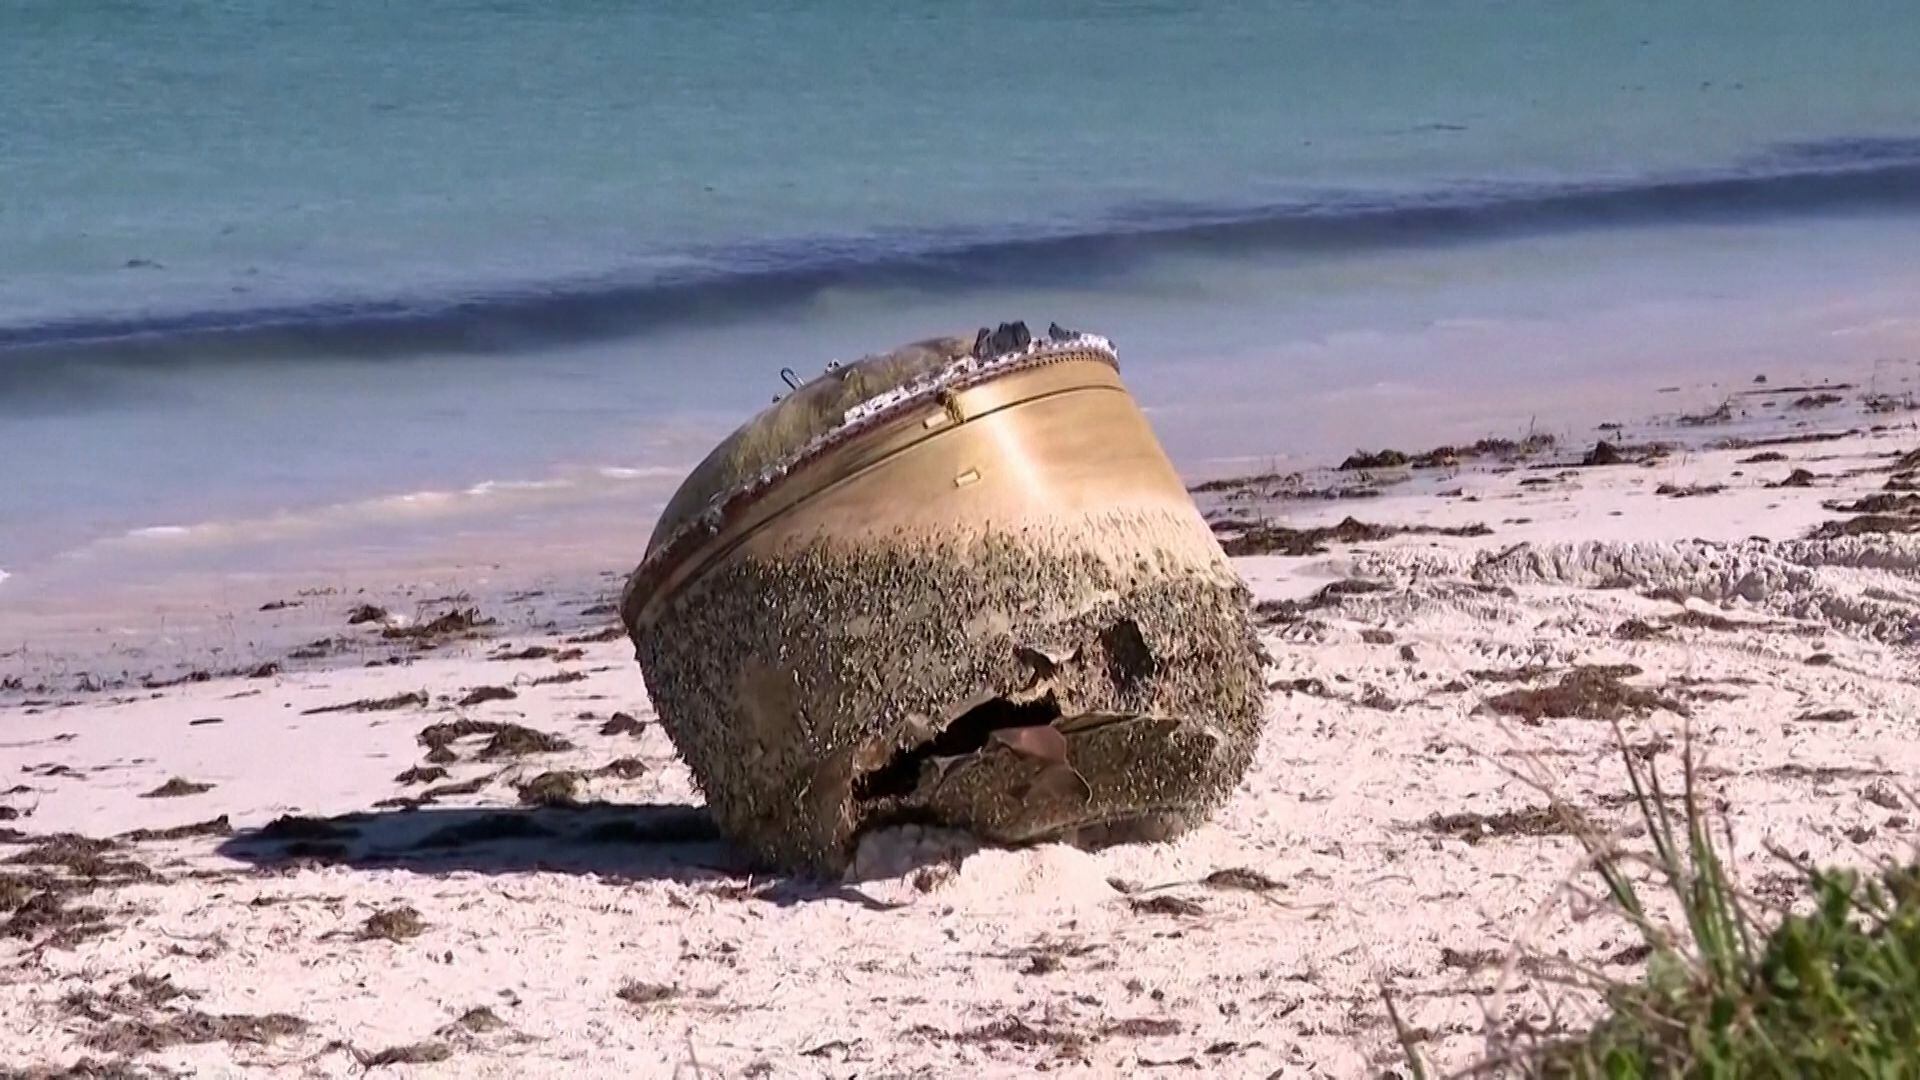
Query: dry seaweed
x,y
1782,440
1469,959
1269,539
513,740
1142,1027
460,622
1010,1030
366,613
178,787
1816,401
1721,415
477,1020
156,1031
463,787
412,699
645,993
1688,491
394,924
82,856
219,826
445,733
1384,459
622,724
557,788
1473,826
1880,503
531,652
1448,456
1588,693
425,1053
506,739
480,695
1610,453
1866,524
1705,620
1166,905
1240,877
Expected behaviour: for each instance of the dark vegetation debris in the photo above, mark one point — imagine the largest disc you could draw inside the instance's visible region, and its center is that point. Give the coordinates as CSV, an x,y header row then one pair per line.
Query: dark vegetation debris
x,y
394,924
458,623
1816,401
1609,453
505,739
622,724
1447,456
557,788
1586,692
219,826
1166,905
178,787
411,699
1473,826
531,652
1270,539
645,993
1721,415
366,613
480,695
1688,491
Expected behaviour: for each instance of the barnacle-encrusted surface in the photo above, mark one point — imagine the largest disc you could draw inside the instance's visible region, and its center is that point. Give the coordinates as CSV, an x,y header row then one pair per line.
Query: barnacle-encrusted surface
x,y
834,685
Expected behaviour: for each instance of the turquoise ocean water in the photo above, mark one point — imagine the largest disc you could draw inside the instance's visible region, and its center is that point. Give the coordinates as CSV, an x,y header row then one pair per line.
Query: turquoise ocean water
x,y
334,269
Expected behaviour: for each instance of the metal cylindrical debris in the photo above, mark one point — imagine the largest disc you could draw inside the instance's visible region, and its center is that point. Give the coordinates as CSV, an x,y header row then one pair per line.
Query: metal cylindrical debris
x,y
955,584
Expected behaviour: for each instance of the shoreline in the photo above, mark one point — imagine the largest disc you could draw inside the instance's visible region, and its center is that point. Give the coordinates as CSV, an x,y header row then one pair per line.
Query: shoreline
x,y
181,611
521,457
535,890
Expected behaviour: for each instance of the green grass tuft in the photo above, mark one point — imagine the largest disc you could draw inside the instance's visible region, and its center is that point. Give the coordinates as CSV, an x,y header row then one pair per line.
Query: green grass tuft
x,y
1833,991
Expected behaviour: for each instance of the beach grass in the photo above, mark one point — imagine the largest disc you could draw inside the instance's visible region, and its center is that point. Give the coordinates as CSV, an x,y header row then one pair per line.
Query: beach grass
x,y
1735,986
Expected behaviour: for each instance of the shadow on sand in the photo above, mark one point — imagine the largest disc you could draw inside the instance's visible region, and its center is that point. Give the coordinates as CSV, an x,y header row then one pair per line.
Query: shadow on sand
x,y
633,842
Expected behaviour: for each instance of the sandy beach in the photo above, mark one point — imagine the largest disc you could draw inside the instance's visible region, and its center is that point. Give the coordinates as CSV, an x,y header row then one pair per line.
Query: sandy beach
x,y
434,829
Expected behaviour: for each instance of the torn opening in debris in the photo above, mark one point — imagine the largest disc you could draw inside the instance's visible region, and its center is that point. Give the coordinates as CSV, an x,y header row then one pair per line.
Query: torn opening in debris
x,y
1129,658
969,733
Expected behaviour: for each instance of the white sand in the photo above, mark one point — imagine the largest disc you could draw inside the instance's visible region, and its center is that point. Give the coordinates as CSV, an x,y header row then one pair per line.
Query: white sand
x,y
1009,961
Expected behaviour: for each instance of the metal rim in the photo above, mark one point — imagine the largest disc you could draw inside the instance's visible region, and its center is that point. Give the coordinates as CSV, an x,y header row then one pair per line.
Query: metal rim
x,y
690,542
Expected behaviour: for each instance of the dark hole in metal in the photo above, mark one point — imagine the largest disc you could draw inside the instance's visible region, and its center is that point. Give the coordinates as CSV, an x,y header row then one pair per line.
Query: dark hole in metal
x,y
1129,659
967,734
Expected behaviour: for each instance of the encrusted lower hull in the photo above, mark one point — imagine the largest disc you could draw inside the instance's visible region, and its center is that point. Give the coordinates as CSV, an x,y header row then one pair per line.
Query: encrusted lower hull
x,y
830,690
